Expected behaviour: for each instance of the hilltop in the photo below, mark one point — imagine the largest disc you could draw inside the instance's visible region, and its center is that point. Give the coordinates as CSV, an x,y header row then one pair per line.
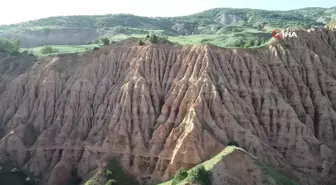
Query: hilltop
x,y
220,26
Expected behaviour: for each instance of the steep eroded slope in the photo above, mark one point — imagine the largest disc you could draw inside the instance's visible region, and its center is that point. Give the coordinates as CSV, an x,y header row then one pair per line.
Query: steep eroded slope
x,y
162,107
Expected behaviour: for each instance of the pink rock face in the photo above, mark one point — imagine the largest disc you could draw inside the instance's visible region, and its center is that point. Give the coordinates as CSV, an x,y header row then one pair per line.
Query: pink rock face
x,y
162,107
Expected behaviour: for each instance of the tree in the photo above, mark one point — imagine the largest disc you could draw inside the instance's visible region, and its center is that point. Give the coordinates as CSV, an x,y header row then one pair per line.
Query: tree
x,y
200,175
233,143
105,40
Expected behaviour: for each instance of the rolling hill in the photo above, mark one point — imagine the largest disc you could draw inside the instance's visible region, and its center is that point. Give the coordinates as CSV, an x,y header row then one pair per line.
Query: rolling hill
x,y
225,24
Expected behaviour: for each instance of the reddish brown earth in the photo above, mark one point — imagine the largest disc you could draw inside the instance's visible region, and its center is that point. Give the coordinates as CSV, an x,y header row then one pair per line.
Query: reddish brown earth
x,y
162,107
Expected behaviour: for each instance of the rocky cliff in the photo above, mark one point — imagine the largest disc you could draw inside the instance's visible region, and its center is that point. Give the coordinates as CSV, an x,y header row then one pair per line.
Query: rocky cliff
x,y
161,107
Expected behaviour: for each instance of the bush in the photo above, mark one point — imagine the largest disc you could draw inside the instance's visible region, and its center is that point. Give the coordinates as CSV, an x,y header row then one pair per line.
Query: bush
x,y
48,50
111,182
105,40
95,48
200,175
233,143
108,174
153,38
9,46
180,175
141,43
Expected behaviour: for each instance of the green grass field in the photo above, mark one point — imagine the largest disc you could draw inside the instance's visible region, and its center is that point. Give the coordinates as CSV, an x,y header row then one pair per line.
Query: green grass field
x,y
62,49
221,40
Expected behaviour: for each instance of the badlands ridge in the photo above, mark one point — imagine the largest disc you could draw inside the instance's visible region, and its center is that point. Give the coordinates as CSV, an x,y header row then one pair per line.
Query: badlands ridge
x,y
160,107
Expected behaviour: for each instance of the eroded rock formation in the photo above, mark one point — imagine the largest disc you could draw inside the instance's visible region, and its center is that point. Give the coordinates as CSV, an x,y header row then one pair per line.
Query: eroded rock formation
x,y
162,107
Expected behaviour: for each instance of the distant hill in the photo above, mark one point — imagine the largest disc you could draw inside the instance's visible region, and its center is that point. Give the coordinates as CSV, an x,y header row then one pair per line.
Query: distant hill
x,y
82,29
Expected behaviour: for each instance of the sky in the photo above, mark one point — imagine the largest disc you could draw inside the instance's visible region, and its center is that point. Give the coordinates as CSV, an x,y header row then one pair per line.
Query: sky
x,y
15,11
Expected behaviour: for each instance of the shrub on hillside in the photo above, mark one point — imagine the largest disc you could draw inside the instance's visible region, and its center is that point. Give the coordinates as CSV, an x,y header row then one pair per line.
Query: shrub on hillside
x,y
48,50
105,40
153,38
95,48
200,175
180,175
233,143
